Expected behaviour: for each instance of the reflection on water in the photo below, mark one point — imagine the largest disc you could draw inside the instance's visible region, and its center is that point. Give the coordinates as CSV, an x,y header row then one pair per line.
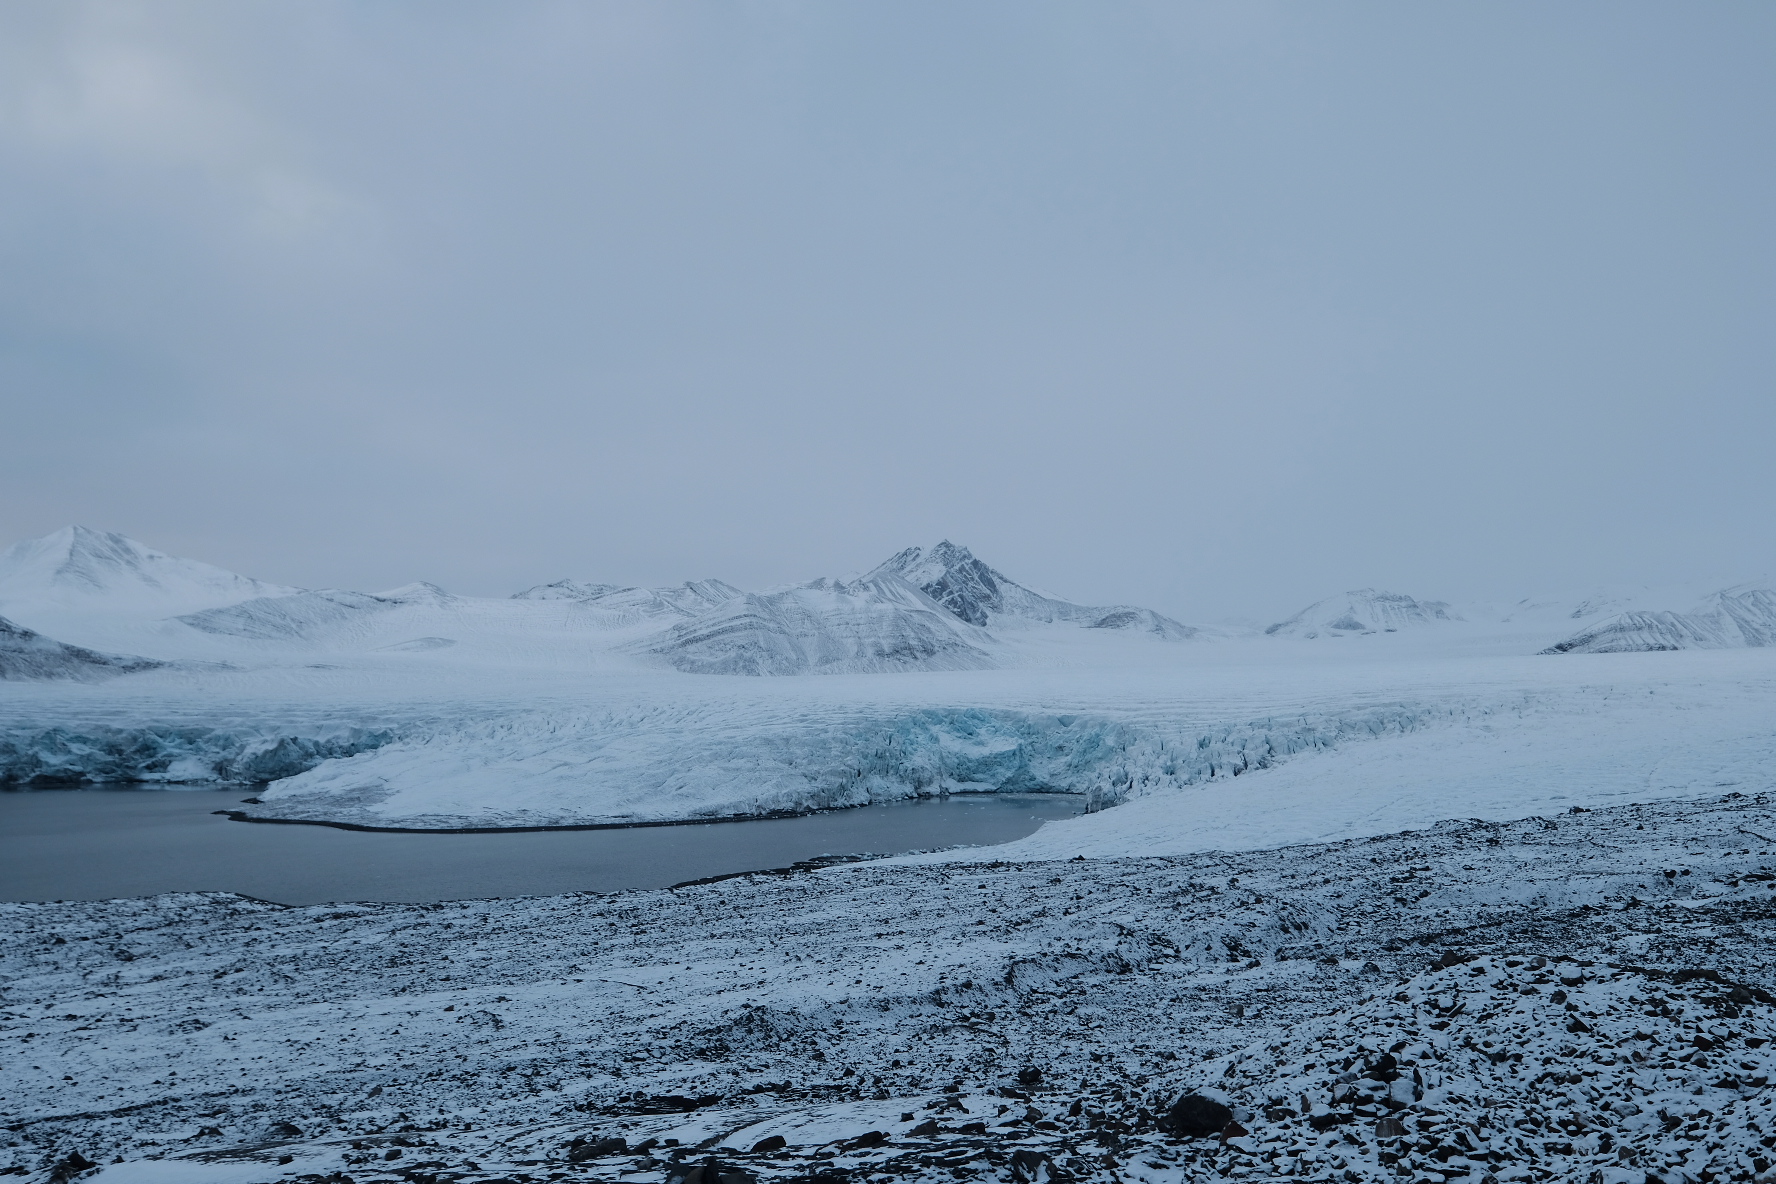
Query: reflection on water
x,y
94,844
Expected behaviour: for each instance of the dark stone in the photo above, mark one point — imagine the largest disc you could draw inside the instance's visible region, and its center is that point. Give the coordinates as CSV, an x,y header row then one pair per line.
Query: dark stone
x,y
867,1139
1195,1117
1031,1167
770,1143
1389,1128
672,1104
70,1167
926,1128
584,1149
974,1128
1030,1075
710,1171
283,1130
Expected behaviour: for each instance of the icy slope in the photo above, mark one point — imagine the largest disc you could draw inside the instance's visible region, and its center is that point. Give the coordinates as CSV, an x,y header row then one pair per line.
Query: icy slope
x,y
27,655
1618,741
1365,610
975,593
87,570
1729,619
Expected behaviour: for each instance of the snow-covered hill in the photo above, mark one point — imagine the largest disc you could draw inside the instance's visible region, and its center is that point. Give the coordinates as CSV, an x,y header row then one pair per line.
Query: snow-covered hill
x,y
567,590
1365,610
95,571
26,655
868,626
1734,618
973,592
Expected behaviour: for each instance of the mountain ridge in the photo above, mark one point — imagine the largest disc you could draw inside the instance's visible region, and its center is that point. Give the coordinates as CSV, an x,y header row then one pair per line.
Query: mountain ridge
x,y
78,565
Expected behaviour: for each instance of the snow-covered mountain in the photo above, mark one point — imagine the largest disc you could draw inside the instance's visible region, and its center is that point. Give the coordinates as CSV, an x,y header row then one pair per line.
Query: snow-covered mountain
x,y
973,592
879,623
1733,618
88,570
1365,610
567,590
26,654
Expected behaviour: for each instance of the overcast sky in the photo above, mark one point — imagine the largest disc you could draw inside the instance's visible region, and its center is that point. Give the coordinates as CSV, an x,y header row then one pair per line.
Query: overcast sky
x,y
1217,309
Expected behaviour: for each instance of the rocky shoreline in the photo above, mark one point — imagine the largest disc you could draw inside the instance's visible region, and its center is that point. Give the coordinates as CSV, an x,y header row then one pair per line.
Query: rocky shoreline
x,y
1575,998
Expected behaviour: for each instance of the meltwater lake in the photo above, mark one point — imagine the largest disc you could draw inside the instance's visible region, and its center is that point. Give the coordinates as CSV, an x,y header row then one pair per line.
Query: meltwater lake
x,y
94,844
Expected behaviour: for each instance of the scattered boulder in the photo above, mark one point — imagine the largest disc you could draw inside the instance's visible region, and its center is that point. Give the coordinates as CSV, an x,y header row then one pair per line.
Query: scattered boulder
x,y
778,1143
1195,1117
71,1166
710,1171
867,1139
583,1149
1031,1167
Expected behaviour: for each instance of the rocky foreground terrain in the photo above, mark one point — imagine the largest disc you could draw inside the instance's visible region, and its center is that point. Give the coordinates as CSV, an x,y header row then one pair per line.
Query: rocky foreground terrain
x,y
1584,997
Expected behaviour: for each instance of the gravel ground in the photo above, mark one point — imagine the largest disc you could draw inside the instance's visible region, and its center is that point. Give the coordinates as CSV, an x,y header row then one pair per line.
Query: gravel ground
x,y
1575,998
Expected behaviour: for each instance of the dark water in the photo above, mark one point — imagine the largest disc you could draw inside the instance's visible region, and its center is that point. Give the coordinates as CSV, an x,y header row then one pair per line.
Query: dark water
x,y
96,844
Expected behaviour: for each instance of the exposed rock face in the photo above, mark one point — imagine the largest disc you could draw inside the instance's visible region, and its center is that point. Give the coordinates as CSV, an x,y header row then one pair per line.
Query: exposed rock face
x,y
953,577
26,654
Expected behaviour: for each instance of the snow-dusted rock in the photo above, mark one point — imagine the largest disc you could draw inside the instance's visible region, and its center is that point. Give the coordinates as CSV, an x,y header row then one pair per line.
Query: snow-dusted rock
x,y
302,615
880,623
25,654
973,592
1365,610
1734,618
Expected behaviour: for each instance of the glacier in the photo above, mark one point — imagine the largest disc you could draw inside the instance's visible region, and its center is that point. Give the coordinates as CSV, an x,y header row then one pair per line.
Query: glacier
x,y
591,703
